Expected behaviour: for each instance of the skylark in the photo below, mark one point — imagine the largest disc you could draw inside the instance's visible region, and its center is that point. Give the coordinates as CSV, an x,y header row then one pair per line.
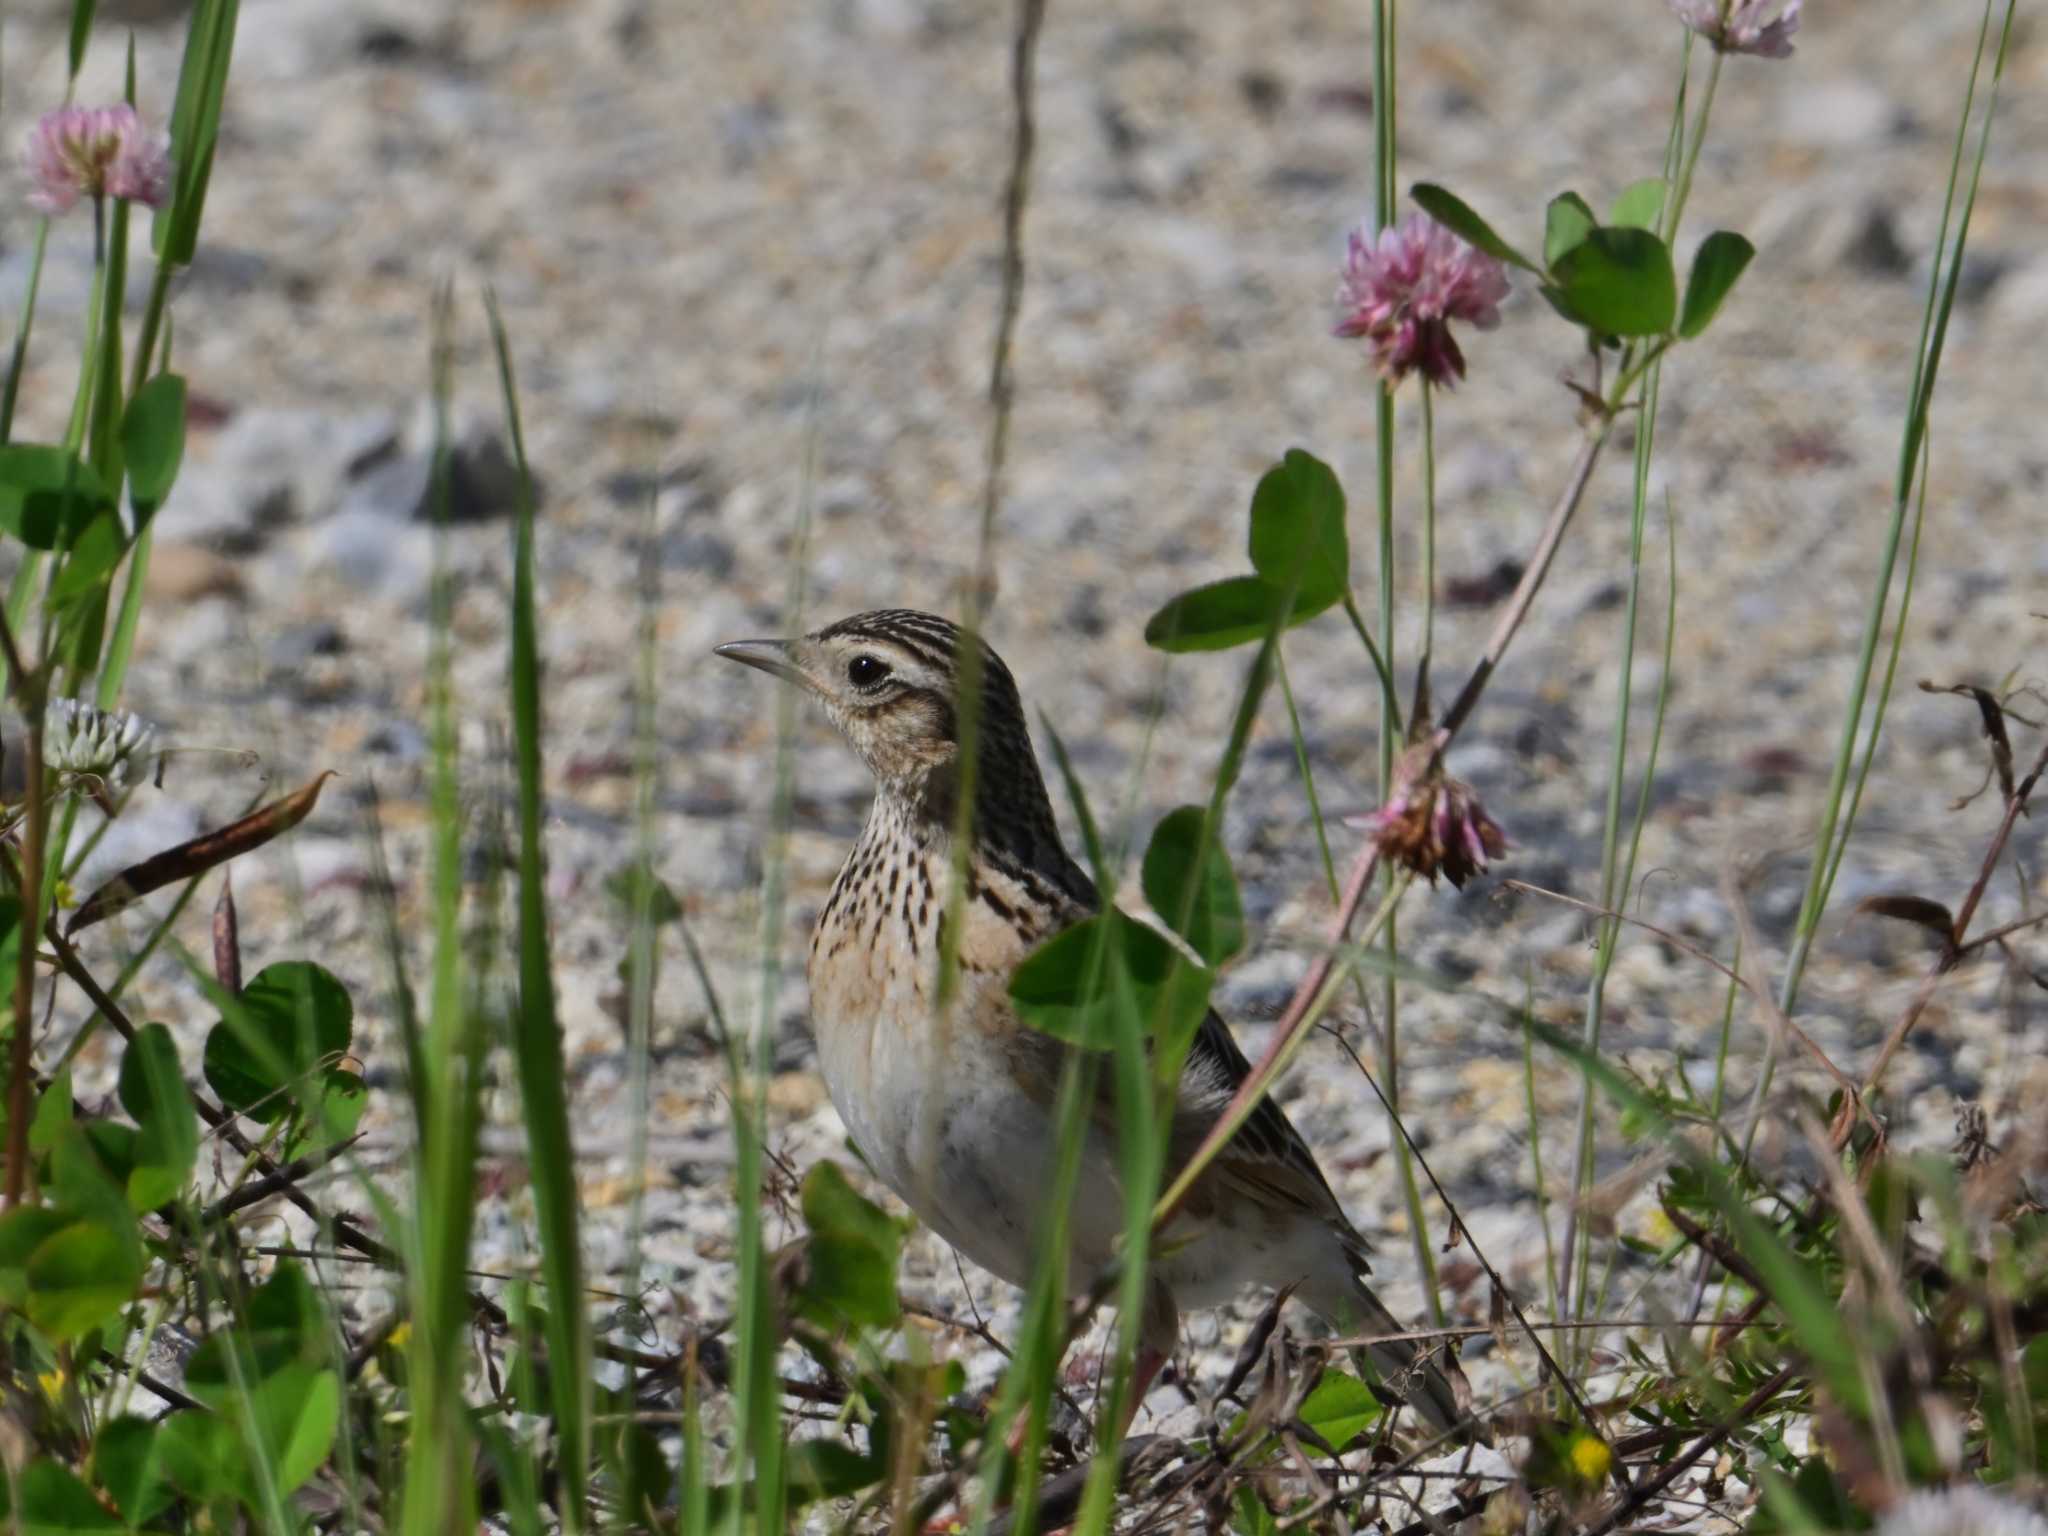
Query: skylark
x,y
954,1109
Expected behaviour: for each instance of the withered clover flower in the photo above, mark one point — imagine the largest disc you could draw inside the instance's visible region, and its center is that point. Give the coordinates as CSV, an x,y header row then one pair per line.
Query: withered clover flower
x,y
1433,823
1401,290
1760,27
96,152
105,744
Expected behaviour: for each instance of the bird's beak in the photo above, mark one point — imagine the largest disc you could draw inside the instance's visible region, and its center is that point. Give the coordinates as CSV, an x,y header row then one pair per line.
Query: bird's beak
x,y
768,655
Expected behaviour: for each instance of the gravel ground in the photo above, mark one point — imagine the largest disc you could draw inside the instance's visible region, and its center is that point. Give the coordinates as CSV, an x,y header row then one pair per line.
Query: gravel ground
x,y
749,263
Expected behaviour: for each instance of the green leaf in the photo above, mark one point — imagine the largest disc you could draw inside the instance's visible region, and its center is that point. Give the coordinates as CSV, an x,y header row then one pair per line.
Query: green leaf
x,y
1298,542
81,31
296,1413
89,1167
22,1231
1640,205
202,1454
1619,282
81,630
293,1019
344,1096
48,494
94,554
1078,984
53,1108
115,1155
1720,262
80,1278
1458,217
1253,1518
1299,550
1566,222
50,1499
1339,1407
1216,617
154,1094
153,441
127,1462
285,1325
828,1469
1201,905
852,1254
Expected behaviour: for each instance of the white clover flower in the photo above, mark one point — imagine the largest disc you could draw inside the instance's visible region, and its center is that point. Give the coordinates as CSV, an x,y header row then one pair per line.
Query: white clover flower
x,y
1962,1509
104,743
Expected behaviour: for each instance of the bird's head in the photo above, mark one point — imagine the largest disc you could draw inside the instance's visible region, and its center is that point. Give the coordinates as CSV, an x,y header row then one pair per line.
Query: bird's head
x,y
891,682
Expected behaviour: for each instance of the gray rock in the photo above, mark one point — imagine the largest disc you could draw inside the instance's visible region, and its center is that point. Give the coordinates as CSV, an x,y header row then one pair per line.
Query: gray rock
x,y
393,491
693,549
402,739
302,642
370,550
1875,249
271,466
483,480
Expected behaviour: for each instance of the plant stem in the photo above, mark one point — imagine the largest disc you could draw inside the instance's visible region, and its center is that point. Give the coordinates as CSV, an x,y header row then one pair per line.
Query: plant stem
x,y
19,360
21,1061
1420,709
1308,1004
1674,205
1525,590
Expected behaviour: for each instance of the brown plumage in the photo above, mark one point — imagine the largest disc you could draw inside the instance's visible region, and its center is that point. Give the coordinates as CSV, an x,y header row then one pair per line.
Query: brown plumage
x,y
954,1109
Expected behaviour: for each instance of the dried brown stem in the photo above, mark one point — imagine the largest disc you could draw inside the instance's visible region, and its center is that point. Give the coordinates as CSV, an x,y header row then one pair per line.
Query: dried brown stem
x,y
1285,1032
1524,595
275,1182
1718,1248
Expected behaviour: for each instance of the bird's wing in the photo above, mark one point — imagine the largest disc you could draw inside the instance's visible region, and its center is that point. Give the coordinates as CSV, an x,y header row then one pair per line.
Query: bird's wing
x,y
1266,1160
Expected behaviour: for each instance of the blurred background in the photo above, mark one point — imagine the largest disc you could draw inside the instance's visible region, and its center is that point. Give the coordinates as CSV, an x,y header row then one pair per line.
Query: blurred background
x,y
749,258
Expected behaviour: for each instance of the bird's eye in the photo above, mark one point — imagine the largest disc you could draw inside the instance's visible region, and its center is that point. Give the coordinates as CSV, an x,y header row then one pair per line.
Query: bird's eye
x,y
866,672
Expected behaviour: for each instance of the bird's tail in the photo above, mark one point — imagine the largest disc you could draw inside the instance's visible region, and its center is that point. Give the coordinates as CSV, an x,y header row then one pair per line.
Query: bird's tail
x,y
1422,1373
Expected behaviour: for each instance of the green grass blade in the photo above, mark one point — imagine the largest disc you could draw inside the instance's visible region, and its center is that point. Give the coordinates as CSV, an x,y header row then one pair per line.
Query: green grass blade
x,y
195,132
18,360
543,1074
1943,282
439,1488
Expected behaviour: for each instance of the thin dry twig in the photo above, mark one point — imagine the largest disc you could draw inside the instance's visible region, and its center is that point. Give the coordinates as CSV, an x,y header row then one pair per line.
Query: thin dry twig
x,y
1761,995
341,1224
1525,590
1780,1024
1500,1286
1641,1493
1595,909
1955,951
1288,1026
275,1182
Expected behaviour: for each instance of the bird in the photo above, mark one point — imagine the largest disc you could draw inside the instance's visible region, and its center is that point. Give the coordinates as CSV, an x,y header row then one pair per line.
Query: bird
x,y
953,1108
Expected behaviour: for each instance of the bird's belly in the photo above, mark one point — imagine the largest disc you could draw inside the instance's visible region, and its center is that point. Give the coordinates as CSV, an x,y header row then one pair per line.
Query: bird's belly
x,y
939,1116
943,1115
